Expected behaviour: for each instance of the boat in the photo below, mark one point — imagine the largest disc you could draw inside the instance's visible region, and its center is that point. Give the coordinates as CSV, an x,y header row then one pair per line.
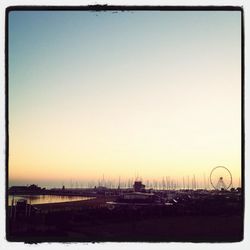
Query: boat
x,y
137,199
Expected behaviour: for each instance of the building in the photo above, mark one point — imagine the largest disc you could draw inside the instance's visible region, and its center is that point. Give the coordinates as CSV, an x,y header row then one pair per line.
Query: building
x,y
139,187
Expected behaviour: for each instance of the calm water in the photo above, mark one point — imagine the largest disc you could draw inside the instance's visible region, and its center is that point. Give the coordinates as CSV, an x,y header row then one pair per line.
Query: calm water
x,y
41,199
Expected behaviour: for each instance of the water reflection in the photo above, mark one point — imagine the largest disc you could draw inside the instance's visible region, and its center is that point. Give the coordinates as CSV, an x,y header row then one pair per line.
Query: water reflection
x,y
42,199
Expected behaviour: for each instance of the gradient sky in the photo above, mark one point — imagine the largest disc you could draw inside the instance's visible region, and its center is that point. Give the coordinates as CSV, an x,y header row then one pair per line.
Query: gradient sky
x,y
122,94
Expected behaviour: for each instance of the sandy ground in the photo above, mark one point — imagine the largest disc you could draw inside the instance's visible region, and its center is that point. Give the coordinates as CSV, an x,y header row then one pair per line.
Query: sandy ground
x,y
102,225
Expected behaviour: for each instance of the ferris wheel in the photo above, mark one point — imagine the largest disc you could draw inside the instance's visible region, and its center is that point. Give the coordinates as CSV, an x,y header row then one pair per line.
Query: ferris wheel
x,y
221,178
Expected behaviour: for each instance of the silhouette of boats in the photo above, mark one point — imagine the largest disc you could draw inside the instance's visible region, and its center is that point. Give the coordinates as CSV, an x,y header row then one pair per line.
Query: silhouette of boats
x,y
138,199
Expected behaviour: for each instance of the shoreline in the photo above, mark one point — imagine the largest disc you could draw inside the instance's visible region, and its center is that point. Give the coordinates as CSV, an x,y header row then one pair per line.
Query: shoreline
x,y
67,205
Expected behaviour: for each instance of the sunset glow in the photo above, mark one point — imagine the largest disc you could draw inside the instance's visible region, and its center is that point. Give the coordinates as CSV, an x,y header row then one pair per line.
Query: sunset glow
x,y
129,94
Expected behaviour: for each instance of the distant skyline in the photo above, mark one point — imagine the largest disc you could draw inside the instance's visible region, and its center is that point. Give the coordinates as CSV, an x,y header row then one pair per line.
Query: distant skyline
x,y
152,94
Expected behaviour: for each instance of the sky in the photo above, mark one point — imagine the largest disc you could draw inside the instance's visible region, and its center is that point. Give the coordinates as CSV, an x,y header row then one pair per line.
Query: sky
x,y
145,94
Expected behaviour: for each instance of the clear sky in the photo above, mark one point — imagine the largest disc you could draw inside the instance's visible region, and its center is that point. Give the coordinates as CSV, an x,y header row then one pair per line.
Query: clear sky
x,y
144,93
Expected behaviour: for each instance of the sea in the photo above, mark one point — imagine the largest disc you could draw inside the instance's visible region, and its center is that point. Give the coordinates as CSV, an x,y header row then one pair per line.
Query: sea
x,y
44,199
